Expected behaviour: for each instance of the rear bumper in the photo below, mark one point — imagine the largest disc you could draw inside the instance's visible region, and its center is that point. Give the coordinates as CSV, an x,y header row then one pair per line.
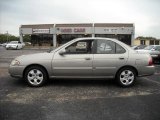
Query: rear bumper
x,y
156,57
146,71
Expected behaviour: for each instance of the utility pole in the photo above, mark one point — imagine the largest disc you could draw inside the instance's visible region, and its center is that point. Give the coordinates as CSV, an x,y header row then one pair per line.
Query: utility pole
x,y
7,36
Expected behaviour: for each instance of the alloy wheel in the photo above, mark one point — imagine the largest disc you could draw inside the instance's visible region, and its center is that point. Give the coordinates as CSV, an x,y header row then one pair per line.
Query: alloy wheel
x,y
127,77
35,77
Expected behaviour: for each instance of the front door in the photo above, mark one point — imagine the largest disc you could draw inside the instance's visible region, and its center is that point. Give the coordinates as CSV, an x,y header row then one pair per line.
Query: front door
x,y
76,61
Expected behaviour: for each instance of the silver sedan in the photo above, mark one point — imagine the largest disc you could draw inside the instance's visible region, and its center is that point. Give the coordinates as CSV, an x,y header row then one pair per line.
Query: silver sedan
x,y
84,58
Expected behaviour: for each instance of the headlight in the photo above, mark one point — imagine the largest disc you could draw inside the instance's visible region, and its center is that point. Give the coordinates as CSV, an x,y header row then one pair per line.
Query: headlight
x,y
15,62
13,45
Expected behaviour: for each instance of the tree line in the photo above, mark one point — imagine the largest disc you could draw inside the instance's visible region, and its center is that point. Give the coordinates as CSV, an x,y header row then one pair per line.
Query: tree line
x,y
8,37
27,38
146,38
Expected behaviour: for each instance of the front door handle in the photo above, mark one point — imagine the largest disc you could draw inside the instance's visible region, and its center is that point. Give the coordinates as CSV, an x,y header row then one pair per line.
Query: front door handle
x,y
87,58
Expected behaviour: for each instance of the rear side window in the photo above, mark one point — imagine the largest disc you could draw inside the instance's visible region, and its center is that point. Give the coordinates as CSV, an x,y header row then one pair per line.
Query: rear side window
x,y
108,47
105,47
119,49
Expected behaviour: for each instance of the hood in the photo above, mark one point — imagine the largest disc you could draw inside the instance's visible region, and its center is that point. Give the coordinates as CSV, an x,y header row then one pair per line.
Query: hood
x,y
35,58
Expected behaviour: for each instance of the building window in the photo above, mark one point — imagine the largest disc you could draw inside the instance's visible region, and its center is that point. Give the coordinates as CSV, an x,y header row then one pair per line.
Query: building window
x,y
121,37
151,42
143,42
63,38
42,39
156,42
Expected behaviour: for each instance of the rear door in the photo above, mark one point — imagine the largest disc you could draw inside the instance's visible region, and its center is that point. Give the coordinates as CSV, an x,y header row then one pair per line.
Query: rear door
x,y
108,57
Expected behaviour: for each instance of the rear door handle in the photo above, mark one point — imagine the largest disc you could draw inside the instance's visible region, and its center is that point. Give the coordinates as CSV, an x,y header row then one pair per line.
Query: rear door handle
x,y
87,58
121,58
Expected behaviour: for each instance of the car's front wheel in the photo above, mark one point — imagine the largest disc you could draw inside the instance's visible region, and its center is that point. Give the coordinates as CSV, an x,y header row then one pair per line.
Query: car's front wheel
x,y
126,77
35,76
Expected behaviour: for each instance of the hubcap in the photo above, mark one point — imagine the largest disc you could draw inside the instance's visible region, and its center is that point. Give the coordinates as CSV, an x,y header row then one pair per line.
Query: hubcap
x,y
35,77
126,77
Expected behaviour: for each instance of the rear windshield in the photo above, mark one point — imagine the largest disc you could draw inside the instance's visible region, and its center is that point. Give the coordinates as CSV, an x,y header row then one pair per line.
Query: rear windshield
x,y
148,47
14,42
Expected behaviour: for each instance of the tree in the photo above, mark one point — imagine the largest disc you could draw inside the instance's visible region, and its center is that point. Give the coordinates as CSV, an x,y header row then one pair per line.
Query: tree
x,y
8,38
13,38
3,38
26,38
146,38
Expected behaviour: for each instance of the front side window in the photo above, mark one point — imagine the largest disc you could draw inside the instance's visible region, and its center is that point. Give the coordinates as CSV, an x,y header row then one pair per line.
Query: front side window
x,y
80,47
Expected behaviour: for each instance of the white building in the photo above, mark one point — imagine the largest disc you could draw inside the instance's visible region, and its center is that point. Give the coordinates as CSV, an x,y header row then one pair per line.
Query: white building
x,y
62,33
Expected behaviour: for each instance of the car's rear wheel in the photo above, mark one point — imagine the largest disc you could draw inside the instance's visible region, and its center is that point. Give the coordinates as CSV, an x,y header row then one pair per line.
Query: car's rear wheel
x,y
126,77
35,76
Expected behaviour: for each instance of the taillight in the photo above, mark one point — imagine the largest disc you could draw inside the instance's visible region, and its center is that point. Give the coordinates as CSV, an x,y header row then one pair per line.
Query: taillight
x,y
150,62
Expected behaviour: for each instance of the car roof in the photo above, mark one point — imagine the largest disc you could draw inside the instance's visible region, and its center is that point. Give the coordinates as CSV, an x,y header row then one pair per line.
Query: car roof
x,y
85,38
98,38
102,38
13,41
154,45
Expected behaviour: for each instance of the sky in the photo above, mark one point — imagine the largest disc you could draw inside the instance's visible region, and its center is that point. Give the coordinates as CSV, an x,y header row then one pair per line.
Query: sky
x,y
143,13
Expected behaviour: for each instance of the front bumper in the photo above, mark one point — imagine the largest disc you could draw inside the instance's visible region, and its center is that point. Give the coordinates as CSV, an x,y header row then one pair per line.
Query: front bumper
x,y
16,71
11,47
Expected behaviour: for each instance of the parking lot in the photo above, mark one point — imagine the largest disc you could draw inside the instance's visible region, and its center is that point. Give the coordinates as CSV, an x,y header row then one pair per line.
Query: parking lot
x,y
76,99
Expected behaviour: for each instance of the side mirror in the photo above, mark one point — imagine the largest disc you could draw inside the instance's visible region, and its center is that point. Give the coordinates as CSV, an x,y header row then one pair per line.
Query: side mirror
x,y
62,52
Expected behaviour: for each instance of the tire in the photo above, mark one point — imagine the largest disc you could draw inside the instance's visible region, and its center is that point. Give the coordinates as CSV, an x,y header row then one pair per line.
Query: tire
x,y
126,77
35,76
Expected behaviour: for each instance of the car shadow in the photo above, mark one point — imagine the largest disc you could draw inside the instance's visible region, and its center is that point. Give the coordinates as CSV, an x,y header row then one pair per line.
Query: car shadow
x,y
81,82
19,82
77,82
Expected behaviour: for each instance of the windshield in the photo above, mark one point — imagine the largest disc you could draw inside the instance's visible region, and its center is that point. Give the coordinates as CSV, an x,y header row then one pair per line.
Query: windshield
x,y
14,42
62,45
148,47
